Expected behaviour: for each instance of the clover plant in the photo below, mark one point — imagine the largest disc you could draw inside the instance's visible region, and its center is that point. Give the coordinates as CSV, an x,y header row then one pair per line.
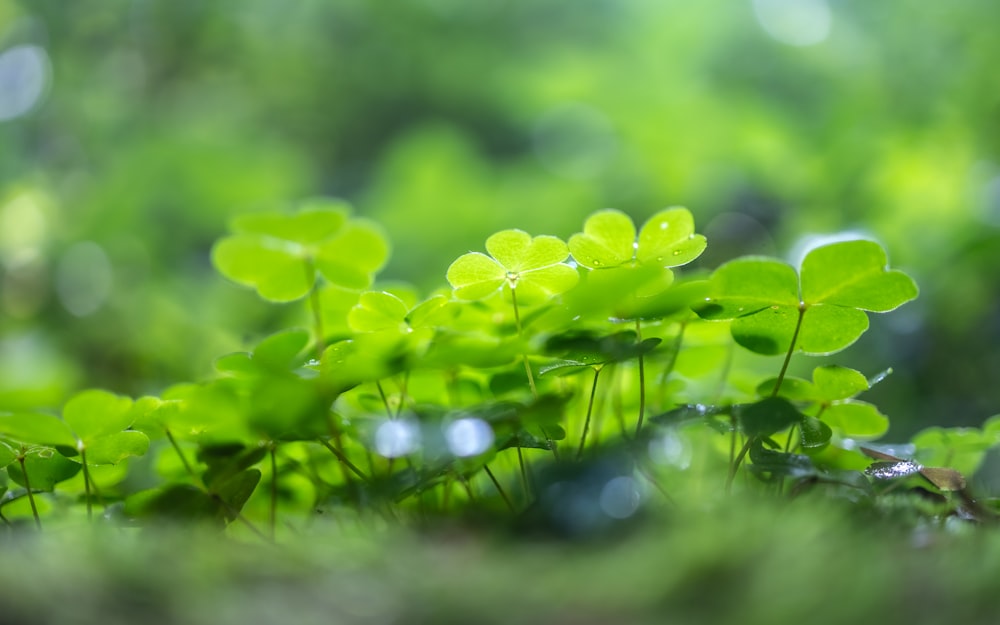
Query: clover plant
x,y
398,404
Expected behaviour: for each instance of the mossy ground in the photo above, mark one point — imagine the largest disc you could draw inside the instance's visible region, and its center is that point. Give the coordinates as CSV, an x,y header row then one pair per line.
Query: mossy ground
x,y
765,561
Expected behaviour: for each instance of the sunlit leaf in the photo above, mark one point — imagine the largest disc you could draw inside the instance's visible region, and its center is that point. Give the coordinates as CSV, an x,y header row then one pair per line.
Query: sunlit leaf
x,y
834,382
747,285
432,312
7,454
95,413
276,269
37,428
45,469
350,258
278,254
856,419
767,331
378,310
316,221
116,447
667,239
962,449
607,240
793,388
281,351
839,284
533,267
854,274
475,275
827,329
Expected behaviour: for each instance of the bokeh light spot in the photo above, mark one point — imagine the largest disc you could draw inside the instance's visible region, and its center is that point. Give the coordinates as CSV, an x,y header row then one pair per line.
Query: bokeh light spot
x,y
468,437
795,22
24,76
83,279
394,439
620,497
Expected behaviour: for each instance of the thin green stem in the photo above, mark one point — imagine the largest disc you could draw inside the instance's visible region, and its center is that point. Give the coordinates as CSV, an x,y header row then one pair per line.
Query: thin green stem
x,y
616,402
86,483
531,376
343,459
524,471
651,478
736,464
642,379
726,368
675,350
520,334
590,409
791,437
465,483
525,480
273,516
499,488
180,454
385,399
404,388
236,514
791,350
337,449
316,307
27,487
732,440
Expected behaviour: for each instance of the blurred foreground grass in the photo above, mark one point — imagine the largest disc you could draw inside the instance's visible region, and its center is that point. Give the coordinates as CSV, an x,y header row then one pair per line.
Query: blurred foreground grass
x,y
749,561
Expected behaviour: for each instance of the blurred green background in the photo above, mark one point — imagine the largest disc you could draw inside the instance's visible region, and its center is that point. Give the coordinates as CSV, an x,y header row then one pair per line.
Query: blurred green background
x,y
131,131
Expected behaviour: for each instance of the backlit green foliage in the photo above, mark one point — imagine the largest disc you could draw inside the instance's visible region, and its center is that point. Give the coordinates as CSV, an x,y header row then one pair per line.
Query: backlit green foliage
x,y
470,398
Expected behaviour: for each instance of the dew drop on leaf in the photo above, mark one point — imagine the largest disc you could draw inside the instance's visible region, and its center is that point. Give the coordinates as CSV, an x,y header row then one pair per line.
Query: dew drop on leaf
x,y
890,470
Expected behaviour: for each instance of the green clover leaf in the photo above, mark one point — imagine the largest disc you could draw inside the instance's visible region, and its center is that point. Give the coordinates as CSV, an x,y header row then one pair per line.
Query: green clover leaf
x,y
534,267
833,390
823,307
279,254
378,311
94,422
667,239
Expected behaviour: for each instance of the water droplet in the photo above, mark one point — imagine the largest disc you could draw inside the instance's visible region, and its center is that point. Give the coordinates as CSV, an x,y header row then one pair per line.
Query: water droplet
x,y
676,252
597,262
889,470
659,259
